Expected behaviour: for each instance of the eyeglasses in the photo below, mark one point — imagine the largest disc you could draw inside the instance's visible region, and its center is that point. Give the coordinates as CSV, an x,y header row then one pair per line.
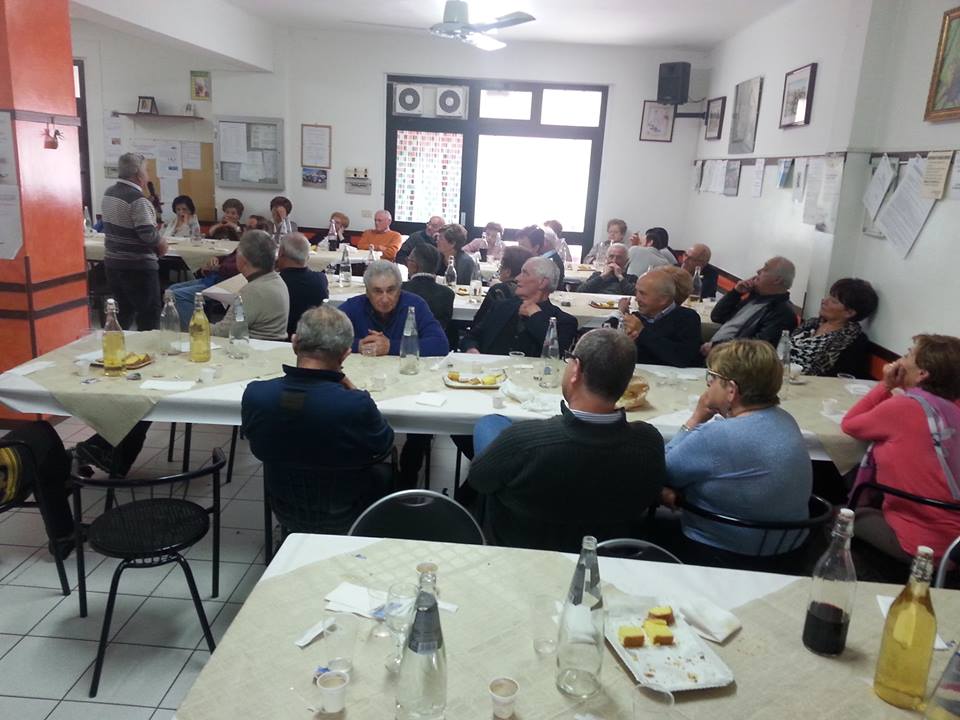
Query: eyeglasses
x,y
568,356
711,374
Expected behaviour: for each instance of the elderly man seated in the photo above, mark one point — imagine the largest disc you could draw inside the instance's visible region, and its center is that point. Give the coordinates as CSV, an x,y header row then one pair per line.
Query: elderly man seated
x,y
266,301
586,471
665,333
758,307
307,288
379,315
614,278
699,257
282,418
423,282
427,236
521,322
381,237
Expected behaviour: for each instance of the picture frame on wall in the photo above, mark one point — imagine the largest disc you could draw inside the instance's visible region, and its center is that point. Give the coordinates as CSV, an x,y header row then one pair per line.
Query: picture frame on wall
x,y
201,87
943,99
147,105
714,125
797,102
746,111
657,122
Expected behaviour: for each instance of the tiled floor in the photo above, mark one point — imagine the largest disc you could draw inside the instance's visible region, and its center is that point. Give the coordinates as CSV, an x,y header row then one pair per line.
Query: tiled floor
x,y
157,648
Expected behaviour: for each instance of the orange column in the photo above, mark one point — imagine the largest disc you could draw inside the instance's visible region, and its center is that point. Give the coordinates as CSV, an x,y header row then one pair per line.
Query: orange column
x,y
43,288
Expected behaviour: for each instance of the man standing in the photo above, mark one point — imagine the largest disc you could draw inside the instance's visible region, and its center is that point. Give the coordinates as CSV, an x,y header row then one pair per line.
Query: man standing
x,y
381,238
758,307
665,333
307,287
614,280
426,236
533,473
132,246
699,257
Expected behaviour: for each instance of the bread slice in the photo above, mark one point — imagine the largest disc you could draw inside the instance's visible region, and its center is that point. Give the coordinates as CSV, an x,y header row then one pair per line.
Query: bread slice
x,y
658,633
661,612
631,636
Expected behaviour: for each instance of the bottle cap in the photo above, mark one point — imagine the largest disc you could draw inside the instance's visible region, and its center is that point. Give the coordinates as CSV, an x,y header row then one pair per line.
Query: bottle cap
x,y
427,567
846,513
924,551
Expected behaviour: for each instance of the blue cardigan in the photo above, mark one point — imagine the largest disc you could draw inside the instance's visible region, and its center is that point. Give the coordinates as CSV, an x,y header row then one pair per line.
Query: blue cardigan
x,y
433,341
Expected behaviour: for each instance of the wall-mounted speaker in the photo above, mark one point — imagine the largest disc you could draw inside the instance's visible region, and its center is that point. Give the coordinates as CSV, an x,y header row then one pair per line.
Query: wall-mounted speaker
x,y
673,87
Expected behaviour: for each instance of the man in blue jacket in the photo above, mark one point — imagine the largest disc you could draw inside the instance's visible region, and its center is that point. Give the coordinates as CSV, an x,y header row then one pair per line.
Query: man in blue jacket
x,y
378,316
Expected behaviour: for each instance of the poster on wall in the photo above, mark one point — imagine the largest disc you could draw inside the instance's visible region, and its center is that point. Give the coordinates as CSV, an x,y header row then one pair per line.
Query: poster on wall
x,y
903,216
935,173
314,177
657,122
879,184
731,178
112,139
315,146
746,111
784,166
758,168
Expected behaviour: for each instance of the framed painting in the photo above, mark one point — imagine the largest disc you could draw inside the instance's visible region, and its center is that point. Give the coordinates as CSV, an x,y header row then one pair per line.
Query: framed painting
x,y
746,110
943,100
200,85
657,123
798,96
715,109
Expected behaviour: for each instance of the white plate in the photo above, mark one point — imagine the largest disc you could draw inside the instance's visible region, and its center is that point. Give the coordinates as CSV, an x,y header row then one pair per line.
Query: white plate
x,y
470,386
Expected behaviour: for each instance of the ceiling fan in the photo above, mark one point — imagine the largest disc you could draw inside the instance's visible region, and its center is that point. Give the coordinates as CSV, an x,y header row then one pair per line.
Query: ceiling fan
x,y
456,26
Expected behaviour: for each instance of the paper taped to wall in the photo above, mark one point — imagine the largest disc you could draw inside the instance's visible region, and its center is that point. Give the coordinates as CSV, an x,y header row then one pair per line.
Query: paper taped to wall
x,y
902,218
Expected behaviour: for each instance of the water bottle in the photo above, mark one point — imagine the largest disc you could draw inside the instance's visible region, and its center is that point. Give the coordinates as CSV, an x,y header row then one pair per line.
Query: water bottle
x,y
550,354
333,240
239,346
783,352
580,642
945,703
831,593
346,274
169,326
410,346
370,256
87,222
696,294
451,274
422,685
476,281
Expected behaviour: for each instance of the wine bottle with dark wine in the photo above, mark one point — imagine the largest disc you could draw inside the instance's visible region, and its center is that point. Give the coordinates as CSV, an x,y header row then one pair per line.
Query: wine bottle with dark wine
x,y
832,592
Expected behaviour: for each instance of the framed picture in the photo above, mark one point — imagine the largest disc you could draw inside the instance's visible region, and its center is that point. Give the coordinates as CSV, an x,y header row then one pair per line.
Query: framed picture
x,y
200,85
798,96
715,108
943,100
657,123
314,177
746,110
146,104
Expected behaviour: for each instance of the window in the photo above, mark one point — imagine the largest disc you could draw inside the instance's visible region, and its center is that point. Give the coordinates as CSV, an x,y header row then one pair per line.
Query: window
x,y
428,176
506,104
571,107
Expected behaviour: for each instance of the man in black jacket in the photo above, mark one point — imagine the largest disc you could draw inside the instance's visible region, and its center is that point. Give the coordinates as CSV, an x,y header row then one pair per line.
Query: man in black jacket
x,y
427,236
423,282
521,322
699,257
664,332
587,471
614,280
307,288
758,307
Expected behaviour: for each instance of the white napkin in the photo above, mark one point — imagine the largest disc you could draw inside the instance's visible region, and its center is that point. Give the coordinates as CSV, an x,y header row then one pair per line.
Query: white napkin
x,y
857,388
184,347
169,385
363,601
885,601
541,403
513,391
31,367
442,362
431,399
709,620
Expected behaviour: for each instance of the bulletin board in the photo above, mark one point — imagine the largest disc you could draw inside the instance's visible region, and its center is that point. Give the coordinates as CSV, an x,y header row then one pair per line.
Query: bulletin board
x,y
198,184
248,152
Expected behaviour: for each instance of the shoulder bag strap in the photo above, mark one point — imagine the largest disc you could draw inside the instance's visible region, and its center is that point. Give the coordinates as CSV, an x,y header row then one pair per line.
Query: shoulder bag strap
x,y
936,432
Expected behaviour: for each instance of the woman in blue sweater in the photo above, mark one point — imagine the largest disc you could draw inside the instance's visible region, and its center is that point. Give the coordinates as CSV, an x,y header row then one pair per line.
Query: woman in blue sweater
x,y
739,454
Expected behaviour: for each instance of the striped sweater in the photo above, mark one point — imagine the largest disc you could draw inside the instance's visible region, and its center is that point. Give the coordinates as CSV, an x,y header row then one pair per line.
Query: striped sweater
x,y
130,226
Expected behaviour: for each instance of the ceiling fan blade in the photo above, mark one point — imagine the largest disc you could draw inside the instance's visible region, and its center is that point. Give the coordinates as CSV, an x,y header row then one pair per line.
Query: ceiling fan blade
x,y
481,41
383,25
514,18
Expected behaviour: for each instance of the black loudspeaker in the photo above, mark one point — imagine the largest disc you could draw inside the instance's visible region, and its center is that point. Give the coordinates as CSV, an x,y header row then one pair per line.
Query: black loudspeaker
x,y
674,85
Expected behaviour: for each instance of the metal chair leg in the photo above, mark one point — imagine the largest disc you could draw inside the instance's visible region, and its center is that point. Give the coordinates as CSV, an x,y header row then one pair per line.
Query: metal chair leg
x,y
267,527
187,436
427,460
172,443
78,549
216,535
61,571
233,452
456,475
105,630
196,603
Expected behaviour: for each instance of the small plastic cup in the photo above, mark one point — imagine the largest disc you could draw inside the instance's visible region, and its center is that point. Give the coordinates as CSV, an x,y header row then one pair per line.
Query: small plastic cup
x,y
83,368
333,690
378,382
208,374
503,692
829,406
498,402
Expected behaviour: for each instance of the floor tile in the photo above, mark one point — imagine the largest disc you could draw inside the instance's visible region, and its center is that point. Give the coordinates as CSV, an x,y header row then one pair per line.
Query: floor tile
x,y
133,581
163,714
133,675
71,710
250,579
7,642
41,570
64,620
23,529
175,584
12,557
45,667
220,625
23,607
186,679
25,708
236,545
252,489
167,622
246,514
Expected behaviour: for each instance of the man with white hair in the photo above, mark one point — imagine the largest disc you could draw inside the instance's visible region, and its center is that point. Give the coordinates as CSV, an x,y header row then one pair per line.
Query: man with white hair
x,y
758,307
665,333
379,315
381,237
698,256
521,322
614,278
307,287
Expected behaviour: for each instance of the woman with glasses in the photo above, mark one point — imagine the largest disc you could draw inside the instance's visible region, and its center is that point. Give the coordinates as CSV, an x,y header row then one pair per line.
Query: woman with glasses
x,y
510,265
739,455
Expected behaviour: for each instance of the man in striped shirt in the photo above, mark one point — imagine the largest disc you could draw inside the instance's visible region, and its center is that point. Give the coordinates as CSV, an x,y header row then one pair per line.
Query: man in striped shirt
x,y
132,246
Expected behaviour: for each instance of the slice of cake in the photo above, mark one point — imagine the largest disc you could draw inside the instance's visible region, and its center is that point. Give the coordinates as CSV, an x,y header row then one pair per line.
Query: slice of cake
x,y
657,632
631,636
661,612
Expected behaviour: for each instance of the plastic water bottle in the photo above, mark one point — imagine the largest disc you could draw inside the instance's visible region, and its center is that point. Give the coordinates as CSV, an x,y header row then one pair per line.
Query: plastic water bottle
x,y
410,346
169,326
696,295
239,345
580,642
346,274
550,377
451,274
422,685
832,592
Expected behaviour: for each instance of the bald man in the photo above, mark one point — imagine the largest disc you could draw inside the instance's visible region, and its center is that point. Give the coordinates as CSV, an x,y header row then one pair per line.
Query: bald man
x,y
699,257
428,235
381,237
614,278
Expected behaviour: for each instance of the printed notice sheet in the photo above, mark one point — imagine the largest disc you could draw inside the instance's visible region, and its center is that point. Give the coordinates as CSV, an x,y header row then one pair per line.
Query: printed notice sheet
x,y
877,188
757,188
935,173
315,146
190,155
903,216
233,142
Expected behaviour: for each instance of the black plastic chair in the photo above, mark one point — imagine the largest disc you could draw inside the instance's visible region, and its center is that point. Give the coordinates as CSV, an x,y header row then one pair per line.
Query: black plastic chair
x,y
147,533
29,467
419,515
634,549
188,438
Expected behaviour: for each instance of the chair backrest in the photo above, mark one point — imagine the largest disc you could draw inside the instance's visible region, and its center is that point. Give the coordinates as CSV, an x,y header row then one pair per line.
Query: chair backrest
x,y
950,558
134,485
419,515
903,494
634,549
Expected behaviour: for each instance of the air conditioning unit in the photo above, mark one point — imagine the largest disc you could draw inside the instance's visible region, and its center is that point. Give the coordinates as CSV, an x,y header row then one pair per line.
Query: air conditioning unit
x,y
408,100
451,102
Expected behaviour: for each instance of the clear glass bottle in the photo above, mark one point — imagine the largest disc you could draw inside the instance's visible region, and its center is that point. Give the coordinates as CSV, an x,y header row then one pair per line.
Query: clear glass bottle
x,y
945,702
114,347
550,355
580,641
199,330
422,685
346,272
87,222
906,647
832,592
169,326
783,350
476,282
428,577
410,345
484,246
333,240
696,294
370,256
238,347
450,276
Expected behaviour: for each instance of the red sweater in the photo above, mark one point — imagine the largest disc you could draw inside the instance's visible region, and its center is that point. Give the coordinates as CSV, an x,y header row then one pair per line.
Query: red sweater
x,y
905,459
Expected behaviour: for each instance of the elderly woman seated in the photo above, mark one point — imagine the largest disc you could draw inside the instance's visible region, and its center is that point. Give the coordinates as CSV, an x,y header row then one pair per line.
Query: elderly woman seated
x,y
751,462
913,420
833,342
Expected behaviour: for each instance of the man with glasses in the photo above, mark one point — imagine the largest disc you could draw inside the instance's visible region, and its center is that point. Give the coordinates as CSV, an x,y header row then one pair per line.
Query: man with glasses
x,y
699,257
427,236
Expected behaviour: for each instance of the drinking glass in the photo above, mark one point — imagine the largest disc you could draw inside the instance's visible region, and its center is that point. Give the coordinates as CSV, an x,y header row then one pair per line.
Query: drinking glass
x,y
338,642
398,614
544,613
653,702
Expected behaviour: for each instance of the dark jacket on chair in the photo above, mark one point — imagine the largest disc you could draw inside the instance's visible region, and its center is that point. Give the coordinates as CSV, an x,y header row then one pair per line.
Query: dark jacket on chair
x,y
503,330
768,324
438,297
674,339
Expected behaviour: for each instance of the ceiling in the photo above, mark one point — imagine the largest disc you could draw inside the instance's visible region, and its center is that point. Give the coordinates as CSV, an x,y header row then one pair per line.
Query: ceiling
x,y
694,24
